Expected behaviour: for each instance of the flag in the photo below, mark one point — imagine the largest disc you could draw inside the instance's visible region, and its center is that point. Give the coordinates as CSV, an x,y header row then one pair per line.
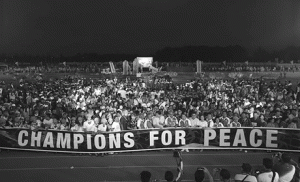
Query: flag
x,y
247,62
224,62
292,62
64,63
17,63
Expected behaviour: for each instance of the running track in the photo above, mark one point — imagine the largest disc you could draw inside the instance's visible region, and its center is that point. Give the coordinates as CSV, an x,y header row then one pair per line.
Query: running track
x,y
43,167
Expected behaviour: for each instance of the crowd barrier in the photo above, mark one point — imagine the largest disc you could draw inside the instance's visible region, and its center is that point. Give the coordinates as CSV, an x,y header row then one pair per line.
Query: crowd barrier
x,y
155,139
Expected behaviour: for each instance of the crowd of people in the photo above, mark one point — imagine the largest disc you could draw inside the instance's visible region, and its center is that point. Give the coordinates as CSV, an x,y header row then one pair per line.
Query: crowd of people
x,y
83,105
280,168
100,67
251,68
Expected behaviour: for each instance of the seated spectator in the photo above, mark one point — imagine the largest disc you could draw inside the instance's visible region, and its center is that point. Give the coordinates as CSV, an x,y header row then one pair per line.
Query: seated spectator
x,y
271,123
244,120
224,119
88,126
225,175
284,167
293,124
156,120
149,121
123,118
256,121
34,125
221,175
26,124
9,122
171,120
116,125
3,120
245,176
145,176
169,177
47,121
195,122
39,123
200,175
184,121
210,122
235,122
79,124
203,123
103,127
73,125
263,121
161,118
268,175
55,125
64,125
218,124
141,121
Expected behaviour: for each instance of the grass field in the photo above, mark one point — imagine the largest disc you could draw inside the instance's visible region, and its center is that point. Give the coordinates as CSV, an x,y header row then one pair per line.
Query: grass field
x,y
49,167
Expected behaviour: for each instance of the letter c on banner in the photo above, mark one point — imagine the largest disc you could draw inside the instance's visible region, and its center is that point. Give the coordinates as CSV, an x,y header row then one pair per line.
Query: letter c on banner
x,y
20,138
253,134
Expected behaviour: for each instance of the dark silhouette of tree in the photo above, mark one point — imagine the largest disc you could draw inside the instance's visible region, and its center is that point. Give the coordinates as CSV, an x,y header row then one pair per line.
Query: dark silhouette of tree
x,y
261,55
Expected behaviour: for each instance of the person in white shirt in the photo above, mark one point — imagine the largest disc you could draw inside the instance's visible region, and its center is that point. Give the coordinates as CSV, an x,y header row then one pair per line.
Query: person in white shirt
x,y
184,121
96,124
149,121
245,176
235,122
141,121
161,118
156,120
79,124
88,125
202,122
218,124
171,120
224,119
210,122
268,175
194,121
55,125
285,167
48,121
103,125
116,125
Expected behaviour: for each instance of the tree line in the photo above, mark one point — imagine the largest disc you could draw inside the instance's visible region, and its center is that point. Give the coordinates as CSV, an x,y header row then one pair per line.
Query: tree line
x,y
234,53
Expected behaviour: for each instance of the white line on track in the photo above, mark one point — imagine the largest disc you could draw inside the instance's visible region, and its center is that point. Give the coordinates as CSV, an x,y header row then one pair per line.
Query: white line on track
x,y
118,155
117,167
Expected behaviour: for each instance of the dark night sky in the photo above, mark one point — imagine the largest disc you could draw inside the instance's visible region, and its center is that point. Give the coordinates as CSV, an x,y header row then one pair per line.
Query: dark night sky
x,y
144,26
